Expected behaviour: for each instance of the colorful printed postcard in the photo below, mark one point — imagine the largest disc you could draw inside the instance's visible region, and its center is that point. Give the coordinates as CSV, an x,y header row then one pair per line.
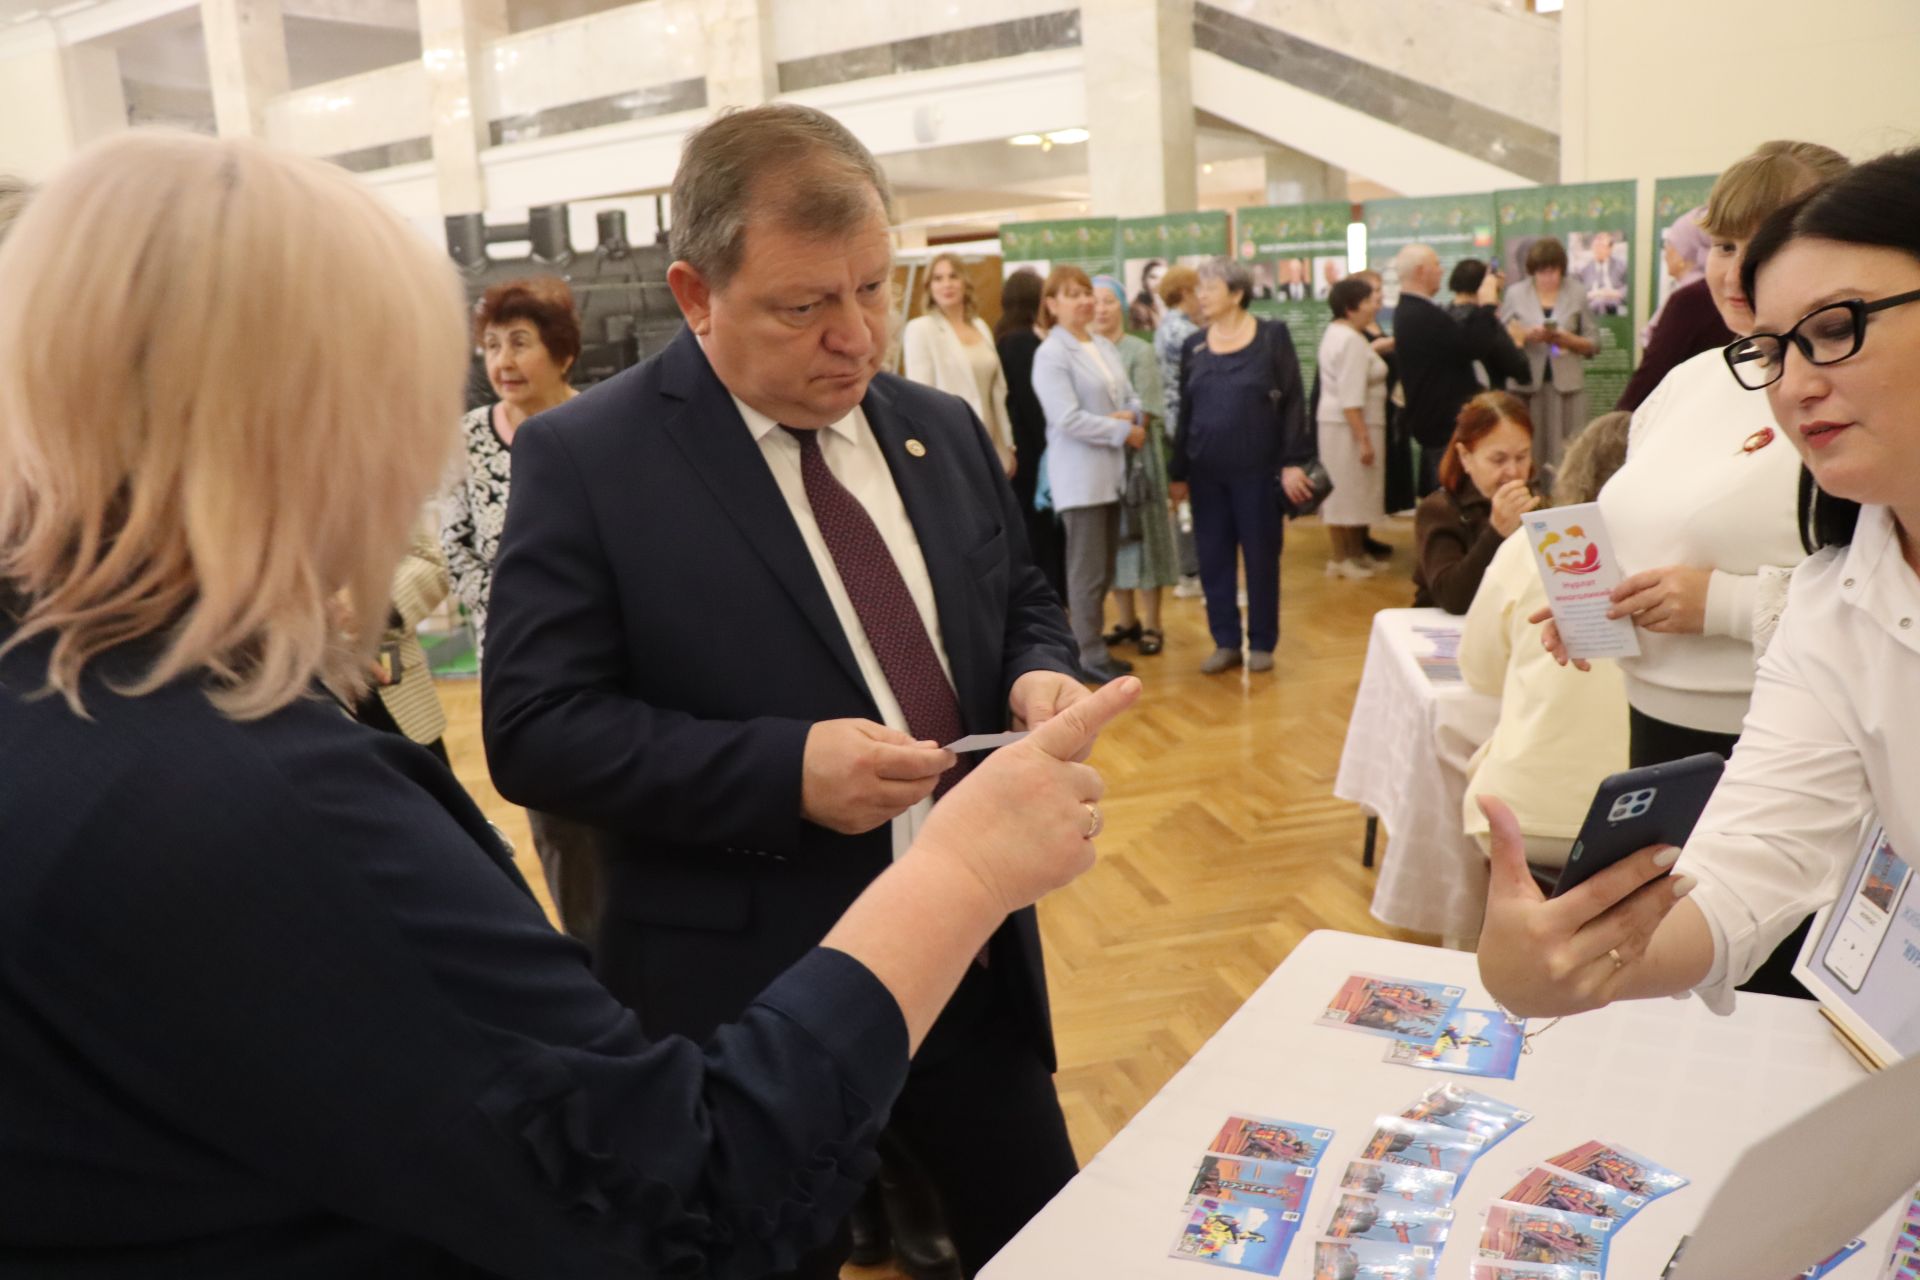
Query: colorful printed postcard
x,y
1839,1256
1262,1139
1381,1177
1503,1270
1527,1233
1400,1008
1458,1107
1240,1237
1552,1188
1370,1260
1474,1042
1278,1186
1423,1145
1619,1167
1579,569
1389,1219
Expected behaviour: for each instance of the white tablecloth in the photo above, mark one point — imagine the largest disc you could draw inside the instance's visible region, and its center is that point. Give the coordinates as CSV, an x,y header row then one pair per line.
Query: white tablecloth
x,y
1408,743
1664,1078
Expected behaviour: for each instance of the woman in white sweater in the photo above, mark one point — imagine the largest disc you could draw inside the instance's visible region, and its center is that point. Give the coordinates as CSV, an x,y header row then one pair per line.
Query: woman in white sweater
x,y
1704,513
1829,746
950,348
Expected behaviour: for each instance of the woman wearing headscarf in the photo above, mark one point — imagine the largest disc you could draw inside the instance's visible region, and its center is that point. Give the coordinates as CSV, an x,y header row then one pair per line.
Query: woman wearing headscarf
x,y
1148,559
1688,322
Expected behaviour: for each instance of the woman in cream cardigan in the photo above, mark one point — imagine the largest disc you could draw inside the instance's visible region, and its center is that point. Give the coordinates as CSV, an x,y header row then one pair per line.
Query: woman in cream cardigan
x,y
951,349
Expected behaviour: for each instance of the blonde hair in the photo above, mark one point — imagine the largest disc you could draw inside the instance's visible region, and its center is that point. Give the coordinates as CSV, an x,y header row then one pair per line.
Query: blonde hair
x,y
1176,282
1754,186
1595,454
229,378
968,307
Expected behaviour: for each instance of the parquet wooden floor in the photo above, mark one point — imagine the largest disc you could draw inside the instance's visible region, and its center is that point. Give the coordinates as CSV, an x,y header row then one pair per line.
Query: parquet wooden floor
x,y
1224,845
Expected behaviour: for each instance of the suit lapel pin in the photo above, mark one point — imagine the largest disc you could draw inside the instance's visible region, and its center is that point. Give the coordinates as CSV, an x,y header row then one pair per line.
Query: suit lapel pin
x,y
917,449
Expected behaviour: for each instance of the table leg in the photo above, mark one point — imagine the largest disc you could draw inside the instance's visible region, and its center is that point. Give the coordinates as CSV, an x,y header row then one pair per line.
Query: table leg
x,y
1373,837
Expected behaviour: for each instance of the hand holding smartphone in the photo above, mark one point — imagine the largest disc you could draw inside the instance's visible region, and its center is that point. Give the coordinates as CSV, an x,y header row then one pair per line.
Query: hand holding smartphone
x,y
1655,805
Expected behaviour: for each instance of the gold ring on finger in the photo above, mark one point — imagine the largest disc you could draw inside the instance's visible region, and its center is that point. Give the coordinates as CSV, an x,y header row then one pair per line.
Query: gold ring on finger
x,y
1094,821
1613,954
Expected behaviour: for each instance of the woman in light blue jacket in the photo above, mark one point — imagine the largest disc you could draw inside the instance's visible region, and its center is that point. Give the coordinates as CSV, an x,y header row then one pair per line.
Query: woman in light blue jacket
x,y
1093,418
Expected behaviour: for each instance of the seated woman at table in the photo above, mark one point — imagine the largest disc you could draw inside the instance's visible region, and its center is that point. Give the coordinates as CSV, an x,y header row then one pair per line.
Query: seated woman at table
x,y
1486,480
274,999
1830,741
1560,732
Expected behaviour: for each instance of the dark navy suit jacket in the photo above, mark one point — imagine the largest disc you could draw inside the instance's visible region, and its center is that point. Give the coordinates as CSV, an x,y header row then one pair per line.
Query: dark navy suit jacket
x,y
275,1003
659,643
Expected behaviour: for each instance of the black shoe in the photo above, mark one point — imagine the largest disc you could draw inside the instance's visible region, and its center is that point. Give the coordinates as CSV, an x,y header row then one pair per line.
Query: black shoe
x,y
921,1247
1379,550
1101,672
872,1239
1129,634
1151,642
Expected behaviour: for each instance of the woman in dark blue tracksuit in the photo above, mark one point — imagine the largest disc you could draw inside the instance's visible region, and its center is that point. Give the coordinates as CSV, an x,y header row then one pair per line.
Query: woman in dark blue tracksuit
x,y
1242,423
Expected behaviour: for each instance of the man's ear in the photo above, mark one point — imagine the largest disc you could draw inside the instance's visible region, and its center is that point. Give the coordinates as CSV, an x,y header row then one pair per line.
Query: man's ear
x,y
695,296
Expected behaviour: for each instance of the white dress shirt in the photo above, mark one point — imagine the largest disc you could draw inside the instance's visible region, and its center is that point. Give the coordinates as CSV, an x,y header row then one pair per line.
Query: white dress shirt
x,y
854,457
1831,742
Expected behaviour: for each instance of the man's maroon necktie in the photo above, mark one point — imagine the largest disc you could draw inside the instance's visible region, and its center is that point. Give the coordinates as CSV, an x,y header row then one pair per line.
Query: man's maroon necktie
x,y
885,606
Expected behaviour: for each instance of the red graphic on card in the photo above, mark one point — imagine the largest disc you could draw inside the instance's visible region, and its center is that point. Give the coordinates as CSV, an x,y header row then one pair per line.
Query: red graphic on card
x,y
1571,552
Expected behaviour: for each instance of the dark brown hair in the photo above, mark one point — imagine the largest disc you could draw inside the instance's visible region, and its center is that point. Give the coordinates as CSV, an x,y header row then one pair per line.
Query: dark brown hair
x,y
1546,252
544,301
1476,421
1019,302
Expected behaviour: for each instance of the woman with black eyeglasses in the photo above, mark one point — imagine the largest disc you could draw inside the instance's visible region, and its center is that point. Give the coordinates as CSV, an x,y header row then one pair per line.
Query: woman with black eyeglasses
x,y
1829,746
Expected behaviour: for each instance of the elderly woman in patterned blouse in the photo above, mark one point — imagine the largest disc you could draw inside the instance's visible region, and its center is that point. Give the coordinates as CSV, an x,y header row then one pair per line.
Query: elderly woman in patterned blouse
x,y
529,333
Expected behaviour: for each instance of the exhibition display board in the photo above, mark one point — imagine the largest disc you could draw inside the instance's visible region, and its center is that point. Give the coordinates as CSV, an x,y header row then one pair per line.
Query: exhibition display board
x,y
1092,244
1456,226
1148,246
1594,222
1671,198
1296,252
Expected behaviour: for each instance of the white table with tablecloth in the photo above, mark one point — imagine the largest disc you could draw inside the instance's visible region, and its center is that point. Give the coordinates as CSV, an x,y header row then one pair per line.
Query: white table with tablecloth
x,y
1664,1078
1414,728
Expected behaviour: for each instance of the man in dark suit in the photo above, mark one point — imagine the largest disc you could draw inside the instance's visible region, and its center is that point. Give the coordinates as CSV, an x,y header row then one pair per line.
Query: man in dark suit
x,y
1437,353
745,594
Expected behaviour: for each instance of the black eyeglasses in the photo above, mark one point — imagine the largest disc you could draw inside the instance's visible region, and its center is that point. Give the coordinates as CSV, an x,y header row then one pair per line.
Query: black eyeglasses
x,y
1826,336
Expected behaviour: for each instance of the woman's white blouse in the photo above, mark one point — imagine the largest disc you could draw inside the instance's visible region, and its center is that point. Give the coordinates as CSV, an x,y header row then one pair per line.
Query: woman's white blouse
x,y
1832,742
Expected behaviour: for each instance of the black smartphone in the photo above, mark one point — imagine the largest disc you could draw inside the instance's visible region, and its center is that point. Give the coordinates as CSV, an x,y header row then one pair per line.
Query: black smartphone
x,y
1655,805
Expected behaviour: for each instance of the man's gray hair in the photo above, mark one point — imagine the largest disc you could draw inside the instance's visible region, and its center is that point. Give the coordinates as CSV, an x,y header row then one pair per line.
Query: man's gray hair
x,y
790,165
1236,276
1409,260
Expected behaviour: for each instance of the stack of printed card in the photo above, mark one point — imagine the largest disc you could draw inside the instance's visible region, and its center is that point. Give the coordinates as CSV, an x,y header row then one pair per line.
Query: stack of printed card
x,y
1395,1209
1559,1220
1428,1027
1243,1208
1903,1262
1473,1042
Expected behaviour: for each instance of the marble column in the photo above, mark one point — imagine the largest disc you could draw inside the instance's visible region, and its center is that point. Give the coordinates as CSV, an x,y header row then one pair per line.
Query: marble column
x,y
1139,60
454,35
71,95
741,71
246,62
1294,177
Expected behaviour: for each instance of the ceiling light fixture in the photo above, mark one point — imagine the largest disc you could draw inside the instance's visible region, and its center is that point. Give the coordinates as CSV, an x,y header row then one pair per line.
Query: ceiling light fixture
x,y
1068,137
1027,140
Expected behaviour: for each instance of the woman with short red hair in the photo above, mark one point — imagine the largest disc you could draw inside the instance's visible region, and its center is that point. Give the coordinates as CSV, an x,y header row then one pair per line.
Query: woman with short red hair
x,y
1486,485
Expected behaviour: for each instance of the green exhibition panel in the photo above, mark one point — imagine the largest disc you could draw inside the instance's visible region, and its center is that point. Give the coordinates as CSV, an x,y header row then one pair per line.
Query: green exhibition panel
x,y
1296,253
1092,244
1455,227
1580,216
1150,245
